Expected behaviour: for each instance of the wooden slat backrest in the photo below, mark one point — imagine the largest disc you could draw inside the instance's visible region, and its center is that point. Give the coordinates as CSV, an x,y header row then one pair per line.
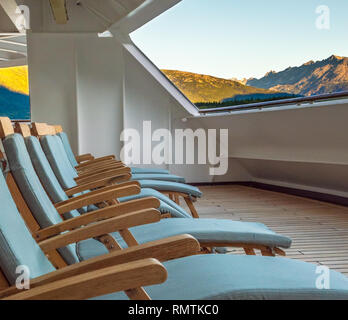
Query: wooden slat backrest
x,y
23,129
39,129
6,127
58,128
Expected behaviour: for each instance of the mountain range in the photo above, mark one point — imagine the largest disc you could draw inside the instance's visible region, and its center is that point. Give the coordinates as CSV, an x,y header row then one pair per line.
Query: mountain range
x,y
311,78
14,93
314,77
325,76
14,104
200,88
15,79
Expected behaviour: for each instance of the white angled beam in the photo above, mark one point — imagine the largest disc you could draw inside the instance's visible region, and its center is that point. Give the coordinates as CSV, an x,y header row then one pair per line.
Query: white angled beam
x,y
10,7
159,76
144,13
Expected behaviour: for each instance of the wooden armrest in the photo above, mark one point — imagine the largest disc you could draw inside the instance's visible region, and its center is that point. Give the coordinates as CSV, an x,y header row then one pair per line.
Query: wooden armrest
x,y
162,250
84,157
98,215
100,228
99,165
123,184
98,184
96,196
99,169
97,283
88,163
102,175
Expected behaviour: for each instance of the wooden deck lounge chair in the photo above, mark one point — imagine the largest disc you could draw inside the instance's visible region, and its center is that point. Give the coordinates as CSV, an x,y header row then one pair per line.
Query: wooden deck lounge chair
x,y
51,144
87,159
107,161
171,185
210,232
183,275
128,270
52,186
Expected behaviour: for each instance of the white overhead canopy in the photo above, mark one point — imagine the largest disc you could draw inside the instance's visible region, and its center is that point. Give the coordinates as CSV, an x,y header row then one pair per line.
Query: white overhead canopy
x,y
72,16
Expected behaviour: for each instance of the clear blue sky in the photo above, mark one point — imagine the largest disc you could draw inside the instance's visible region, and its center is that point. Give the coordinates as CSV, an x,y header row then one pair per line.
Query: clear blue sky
x,y
239,38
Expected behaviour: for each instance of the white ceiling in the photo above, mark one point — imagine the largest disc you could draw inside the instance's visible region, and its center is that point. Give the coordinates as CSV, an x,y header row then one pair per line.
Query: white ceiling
x,y
83,16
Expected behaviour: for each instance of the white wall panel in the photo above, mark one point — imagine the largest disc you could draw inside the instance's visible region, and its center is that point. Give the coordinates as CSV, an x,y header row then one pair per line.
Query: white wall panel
x,y
52,80
99,95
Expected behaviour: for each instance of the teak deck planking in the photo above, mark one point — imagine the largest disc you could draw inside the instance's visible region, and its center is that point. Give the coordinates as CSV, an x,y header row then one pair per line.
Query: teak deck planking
x,y
319,230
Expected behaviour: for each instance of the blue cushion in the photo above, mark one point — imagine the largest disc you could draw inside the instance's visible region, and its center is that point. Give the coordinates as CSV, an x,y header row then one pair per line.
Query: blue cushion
x,y
167,205
171,186
65,173
213,230
46,175
17,246
233,277
34,194
136,170
67,147
152,176
56,155
58,163
64,137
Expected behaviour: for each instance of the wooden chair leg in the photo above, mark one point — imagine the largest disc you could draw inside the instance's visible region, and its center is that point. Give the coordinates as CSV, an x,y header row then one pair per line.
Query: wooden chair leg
x,y
280,252
249,251
137,294
191,207
128,238
112,245
268,252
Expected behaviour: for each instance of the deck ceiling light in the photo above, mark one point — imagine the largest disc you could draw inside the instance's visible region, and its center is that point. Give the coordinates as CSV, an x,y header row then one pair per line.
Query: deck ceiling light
x,y
59,11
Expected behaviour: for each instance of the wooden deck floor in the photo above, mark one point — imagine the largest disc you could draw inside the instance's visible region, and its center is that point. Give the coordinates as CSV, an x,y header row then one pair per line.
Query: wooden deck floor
x,y
319,230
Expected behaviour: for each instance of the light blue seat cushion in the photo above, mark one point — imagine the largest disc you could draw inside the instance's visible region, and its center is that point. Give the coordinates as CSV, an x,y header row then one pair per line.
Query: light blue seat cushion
x,y
53,166
171,186
46,175
167,205
60,164
164,177
30,186
17,246
57,194
50,144
204,230
67,147
233,277
64,137
53,149
136,170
